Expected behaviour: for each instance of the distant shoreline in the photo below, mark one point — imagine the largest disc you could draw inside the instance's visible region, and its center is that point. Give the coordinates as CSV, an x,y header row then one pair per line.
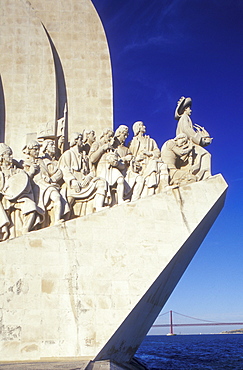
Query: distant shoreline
x,y
238,331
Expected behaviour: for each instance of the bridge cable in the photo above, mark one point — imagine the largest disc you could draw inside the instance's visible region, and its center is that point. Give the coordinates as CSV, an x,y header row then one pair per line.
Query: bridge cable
x,y
194,318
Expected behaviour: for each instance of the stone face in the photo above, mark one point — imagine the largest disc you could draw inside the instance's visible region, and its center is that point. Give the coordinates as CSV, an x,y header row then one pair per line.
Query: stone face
x,y
93,286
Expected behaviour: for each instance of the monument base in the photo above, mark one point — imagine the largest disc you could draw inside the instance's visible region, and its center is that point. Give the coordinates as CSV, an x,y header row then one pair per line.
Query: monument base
x,y
73,364
110,365
92,287
56,364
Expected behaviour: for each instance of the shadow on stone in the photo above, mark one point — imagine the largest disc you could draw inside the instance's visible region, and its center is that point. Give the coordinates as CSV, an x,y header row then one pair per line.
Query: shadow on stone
x,y
2,112
61,91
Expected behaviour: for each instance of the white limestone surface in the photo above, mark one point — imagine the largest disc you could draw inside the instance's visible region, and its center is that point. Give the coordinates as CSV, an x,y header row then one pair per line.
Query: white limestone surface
x,y
55,62
28,87
78,36
66,290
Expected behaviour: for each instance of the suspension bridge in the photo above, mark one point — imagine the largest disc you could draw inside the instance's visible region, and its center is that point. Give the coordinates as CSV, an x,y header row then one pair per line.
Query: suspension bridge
x,y
200,322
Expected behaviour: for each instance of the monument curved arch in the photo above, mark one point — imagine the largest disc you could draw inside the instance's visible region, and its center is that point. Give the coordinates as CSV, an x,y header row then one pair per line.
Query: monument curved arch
x,y
27,71
79,38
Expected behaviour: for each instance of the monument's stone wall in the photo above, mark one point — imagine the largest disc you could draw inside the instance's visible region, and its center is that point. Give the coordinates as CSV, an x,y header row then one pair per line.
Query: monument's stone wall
x,y
68,289
27,74
80,42
54,57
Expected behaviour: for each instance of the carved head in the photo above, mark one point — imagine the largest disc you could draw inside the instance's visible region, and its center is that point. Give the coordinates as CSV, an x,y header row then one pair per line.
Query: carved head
x,y
183,106
138,127
122,133
89,136
49,147
6,154
32,149
107,136
188,111
76,139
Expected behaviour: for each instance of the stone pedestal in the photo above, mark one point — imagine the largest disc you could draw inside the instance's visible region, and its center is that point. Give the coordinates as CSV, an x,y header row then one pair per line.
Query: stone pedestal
x,y
93,286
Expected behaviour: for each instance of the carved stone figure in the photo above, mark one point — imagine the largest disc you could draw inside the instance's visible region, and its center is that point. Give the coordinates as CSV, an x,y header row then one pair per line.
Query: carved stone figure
x,y
44,181
88,140
177,155
91,175
16,197
199,136
134,181
81,183
109,166
120,137
146,151
123,151
49,149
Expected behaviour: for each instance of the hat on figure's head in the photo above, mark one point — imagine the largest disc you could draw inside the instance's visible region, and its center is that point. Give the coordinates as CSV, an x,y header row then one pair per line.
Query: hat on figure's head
x,y
4,148
182,104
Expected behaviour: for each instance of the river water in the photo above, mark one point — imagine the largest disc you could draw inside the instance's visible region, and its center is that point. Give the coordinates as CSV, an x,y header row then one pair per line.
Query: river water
x,y
192,352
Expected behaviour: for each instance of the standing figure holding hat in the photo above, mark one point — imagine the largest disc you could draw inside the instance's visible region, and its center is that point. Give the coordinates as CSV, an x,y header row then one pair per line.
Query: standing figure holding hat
x,y
198,136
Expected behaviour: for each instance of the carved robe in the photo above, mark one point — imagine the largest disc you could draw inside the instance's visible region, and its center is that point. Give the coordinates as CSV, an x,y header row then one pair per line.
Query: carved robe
x,y
75,166
42,182
103,165
150,167
202,158
16,195
185,126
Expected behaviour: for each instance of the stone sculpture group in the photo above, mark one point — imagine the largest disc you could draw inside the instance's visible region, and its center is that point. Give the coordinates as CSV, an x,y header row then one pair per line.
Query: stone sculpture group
x,y
49,185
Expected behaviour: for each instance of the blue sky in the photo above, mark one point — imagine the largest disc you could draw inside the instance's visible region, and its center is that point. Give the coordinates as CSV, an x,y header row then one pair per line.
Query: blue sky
x,y
161,50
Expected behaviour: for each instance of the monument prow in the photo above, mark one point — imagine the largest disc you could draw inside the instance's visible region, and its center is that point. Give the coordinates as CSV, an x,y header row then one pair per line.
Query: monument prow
x,y
93,286
132,331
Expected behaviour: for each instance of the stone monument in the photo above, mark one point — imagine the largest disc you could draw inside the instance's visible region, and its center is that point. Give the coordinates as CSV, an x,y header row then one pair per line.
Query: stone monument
x,y
55,64
94,234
